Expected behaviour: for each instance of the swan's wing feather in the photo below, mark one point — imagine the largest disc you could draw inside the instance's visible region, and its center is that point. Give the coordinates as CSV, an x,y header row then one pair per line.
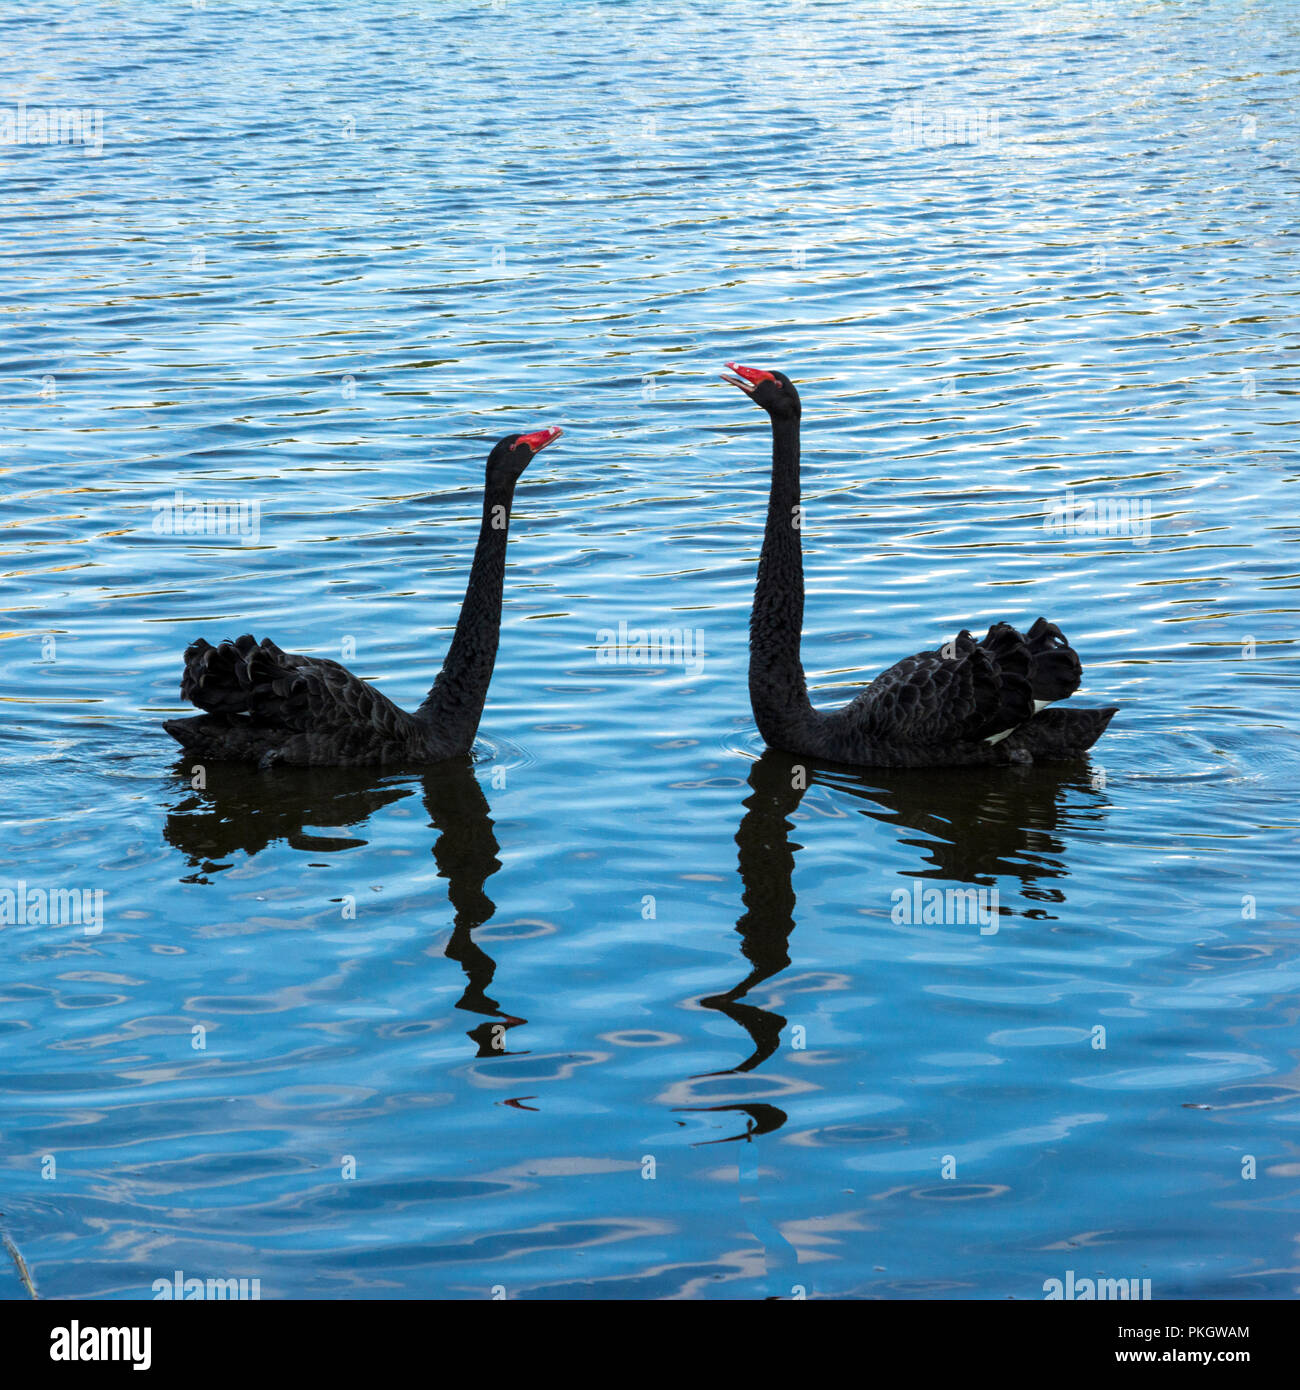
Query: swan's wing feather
x,y
305,694
968,691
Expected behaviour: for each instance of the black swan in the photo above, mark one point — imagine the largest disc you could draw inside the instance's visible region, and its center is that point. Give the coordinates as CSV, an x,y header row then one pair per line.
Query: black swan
x,y
968,703
267,706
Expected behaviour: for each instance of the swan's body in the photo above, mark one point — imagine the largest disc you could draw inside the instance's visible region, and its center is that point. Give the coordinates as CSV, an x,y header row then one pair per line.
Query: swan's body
x,y
267,706
966,703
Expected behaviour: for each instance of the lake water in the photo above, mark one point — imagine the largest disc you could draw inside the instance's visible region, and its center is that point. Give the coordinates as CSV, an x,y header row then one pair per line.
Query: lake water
x,y
618,1011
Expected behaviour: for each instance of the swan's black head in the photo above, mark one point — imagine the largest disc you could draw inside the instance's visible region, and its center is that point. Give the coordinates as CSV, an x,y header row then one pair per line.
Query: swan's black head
x,y
774,391
511,455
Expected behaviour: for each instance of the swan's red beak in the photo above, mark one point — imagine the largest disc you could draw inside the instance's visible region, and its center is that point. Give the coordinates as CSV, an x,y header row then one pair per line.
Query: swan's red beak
x,y
747,378
539,439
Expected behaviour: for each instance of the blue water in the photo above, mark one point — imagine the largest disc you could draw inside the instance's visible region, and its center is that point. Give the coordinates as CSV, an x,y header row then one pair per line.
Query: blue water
x,y
621,1012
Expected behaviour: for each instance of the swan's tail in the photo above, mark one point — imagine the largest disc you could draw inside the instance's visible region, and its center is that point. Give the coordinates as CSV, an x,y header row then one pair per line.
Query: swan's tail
x,y
242,677
1054,735
1044,660
219,736
1051,663
187,732
244,688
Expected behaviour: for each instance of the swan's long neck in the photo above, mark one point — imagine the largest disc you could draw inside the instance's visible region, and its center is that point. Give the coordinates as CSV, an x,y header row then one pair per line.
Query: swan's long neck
x,y
778,691
455,704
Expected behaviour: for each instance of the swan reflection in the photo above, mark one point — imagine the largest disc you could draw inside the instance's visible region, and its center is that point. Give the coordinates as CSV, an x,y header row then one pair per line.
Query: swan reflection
x,y
966,827
243,810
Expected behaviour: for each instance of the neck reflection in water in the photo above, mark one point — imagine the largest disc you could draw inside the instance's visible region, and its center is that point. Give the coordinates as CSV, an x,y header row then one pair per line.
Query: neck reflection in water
x,y
975,827
243,810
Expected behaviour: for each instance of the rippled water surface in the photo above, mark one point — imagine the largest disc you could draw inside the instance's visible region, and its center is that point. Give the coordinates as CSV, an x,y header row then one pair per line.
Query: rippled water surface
x,y
622,1010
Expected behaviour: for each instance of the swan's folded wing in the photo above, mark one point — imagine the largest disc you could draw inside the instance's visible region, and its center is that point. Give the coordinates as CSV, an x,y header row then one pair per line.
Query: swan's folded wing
x,y
304,694
968,691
